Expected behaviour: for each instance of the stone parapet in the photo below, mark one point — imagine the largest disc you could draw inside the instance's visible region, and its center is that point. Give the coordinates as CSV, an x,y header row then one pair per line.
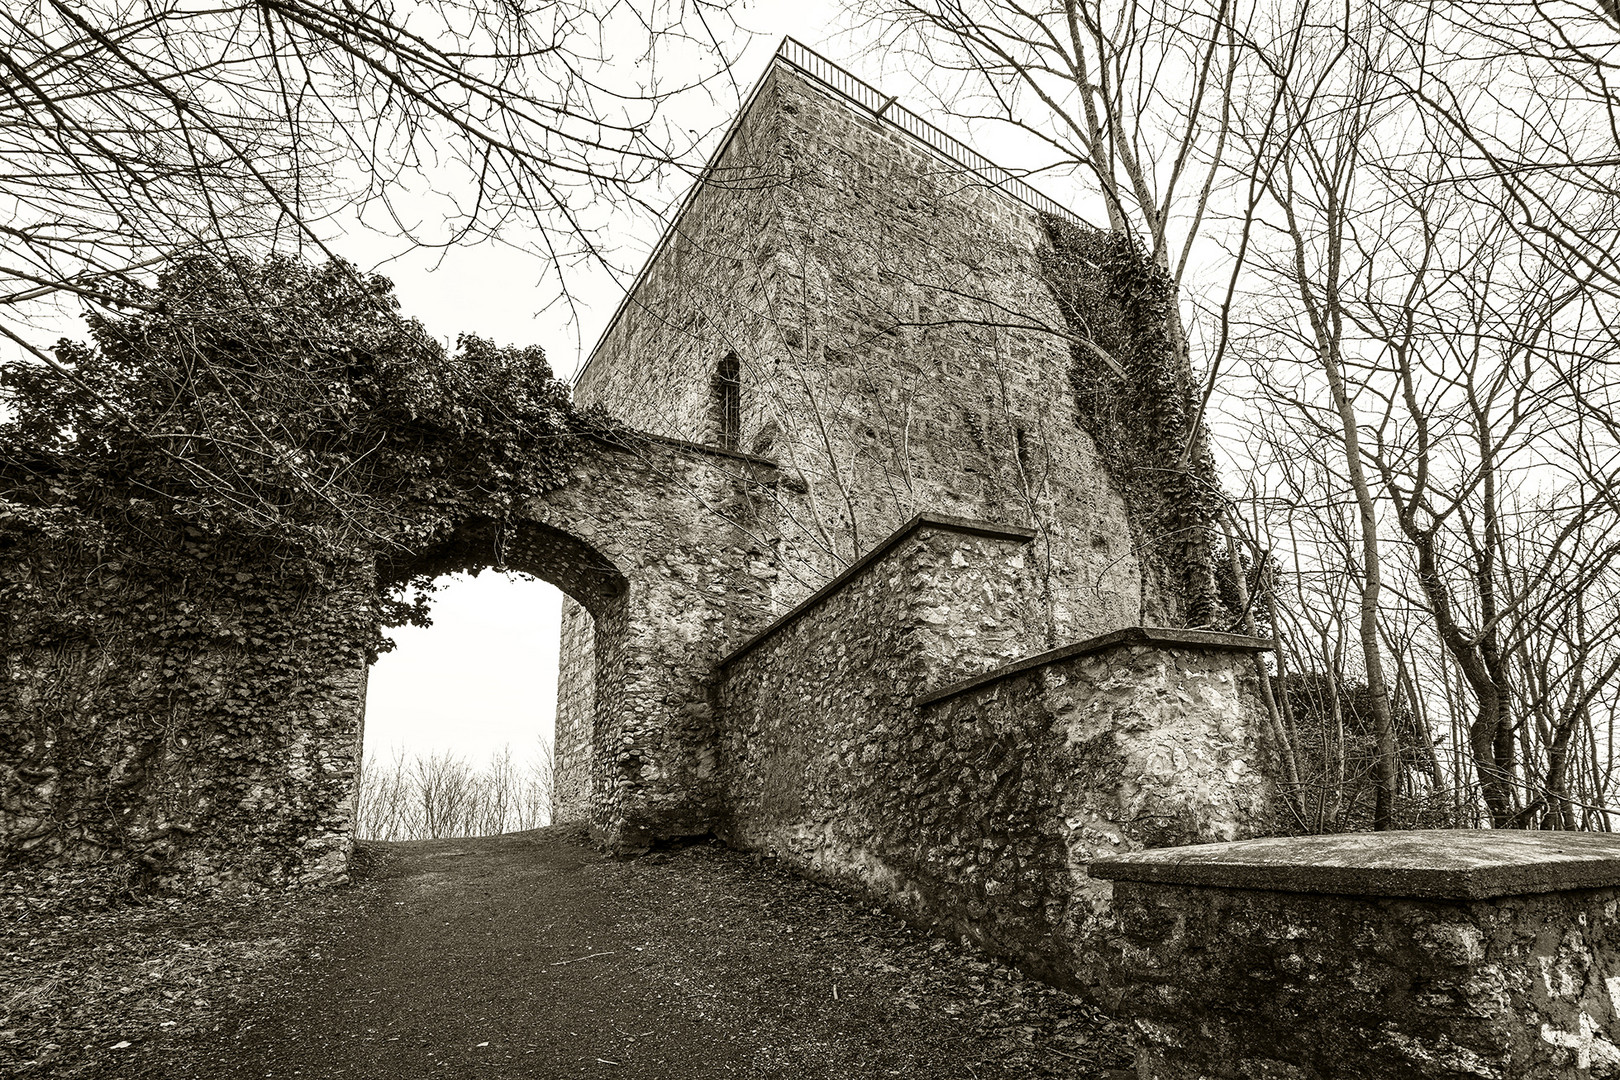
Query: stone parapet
x,y
1384,956
939,523
1141,738
1162,636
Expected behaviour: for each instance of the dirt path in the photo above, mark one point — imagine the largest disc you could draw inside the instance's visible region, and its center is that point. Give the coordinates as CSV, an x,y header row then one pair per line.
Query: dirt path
x,y
532,956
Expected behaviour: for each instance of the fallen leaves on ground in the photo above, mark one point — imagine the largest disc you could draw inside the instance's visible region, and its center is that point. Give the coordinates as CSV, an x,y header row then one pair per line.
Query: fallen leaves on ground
x,y
814,980
869,963
88,970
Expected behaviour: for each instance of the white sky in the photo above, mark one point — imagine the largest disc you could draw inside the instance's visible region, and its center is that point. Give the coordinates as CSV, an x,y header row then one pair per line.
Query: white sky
x,y
482,676
485,674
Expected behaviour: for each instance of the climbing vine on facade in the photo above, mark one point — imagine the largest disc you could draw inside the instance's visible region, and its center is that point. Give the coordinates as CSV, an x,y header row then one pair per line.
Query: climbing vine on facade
x,y
1135,400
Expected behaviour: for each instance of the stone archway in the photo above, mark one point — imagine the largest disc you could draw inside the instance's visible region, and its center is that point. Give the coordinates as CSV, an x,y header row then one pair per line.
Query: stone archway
x,y
669,547
234,755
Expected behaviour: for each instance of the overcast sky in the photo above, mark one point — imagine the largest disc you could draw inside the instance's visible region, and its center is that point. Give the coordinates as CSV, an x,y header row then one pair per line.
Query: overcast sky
x,y
485,674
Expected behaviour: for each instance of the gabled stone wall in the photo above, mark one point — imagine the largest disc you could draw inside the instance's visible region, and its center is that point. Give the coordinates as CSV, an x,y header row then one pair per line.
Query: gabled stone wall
x,y
899,346
900,353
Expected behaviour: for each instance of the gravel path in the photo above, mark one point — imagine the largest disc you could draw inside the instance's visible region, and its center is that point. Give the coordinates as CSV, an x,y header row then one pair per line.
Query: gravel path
x,y
532,956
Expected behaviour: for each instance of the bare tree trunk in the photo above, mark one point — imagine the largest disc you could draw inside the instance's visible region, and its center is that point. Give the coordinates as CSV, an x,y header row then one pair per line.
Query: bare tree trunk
x,y
1371,587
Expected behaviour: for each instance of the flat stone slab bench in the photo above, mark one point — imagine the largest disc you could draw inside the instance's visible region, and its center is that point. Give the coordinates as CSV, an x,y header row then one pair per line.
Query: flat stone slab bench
x,y
1442,953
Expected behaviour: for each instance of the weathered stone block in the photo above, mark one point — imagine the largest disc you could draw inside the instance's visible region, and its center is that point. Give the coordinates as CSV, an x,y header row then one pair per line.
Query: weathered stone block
x,y
1385,956
976,802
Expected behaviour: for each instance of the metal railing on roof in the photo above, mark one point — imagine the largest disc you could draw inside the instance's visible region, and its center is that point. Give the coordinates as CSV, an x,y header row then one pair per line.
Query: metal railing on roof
x,y
887,109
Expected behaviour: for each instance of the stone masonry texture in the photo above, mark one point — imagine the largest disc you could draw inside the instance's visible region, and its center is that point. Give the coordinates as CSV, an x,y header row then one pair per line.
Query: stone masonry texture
x,y
658,542
1224,983
894,339
979,810
851,586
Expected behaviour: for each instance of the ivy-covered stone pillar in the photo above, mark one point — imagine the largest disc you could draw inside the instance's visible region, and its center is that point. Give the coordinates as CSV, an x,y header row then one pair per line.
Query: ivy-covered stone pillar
x,y
1382,956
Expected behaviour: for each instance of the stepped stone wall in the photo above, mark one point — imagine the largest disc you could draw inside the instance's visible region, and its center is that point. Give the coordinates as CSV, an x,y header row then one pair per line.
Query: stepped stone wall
x,y
899,352
852,747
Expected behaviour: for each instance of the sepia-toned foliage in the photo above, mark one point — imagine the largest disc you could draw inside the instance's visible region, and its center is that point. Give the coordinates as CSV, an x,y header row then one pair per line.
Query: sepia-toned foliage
x,y
203,540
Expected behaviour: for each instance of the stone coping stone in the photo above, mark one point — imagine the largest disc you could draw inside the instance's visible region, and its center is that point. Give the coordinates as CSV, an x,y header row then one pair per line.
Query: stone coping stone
x,y
944,522
1439,864
1166,637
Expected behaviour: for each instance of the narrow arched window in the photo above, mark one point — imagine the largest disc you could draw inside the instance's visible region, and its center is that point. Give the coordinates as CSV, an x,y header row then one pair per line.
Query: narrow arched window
x,y
727,392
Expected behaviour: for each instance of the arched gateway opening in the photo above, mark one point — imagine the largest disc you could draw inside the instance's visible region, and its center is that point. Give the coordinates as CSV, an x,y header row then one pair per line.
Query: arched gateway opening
x,y
230,753
667,548
458,727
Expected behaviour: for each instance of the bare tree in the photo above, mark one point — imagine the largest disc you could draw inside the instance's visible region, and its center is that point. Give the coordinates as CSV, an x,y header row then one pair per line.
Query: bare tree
x,y
1328,90
1459,355
138,130
532,807
437,795
382,799
1135,94
1527,90
1510,547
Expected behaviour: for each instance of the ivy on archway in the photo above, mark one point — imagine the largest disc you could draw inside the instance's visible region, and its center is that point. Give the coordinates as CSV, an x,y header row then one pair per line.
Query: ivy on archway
x,y
194,506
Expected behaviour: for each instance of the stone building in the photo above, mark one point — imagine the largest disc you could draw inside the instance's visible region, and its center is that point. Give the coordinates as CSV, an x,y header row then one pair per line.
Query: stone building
x,y
843,299
954,702
852,585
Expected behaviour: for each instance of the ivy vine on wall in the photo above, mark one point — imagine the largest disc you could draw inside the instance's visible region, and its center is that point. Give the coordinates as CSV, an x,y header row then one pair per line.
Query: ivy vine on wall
x,y
210,512
1135,398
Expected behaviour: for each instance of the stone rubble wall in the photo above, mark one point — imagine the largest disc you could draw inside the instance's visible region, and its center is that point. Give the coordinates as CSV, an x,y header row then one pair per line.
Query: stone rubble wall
x,y
1141,743
851,748
576,714
1227,983
197,765
209,764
